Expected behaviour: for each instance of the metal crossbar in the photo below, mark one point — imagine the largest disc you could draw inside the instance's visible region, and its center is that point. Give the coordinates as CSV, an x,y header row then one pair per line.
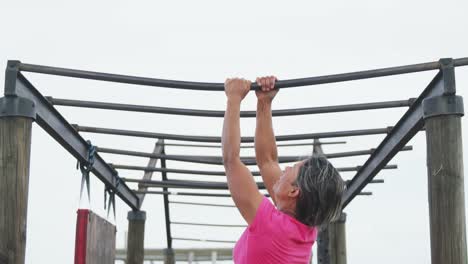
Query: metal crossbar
x,y
435,65
216,160
216,173
121,132
212,113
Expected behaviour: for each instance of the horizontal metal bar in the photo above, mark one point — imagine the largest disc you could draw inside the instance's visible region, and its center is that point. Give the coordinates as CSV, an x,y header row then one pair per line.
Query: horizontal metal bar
x,y
178,171
220,86
179,184
57,127
356,168
187,184
204,224
186,193
206,194
200,255
252,146
203,240
202,204
143,134
373,181
212,173
217,160
212,113
411,122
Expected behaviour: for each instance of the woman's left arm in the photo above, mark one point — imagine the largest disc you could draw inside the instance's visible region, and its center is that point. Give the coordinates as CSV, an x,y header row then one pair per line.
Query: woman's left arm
x,y
241,184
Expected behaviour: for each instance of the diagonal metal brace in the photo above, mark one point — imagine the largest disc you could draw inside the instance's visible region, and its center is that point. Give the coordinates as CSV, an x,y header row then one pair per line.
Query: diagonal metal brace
x,y
404,130
56,125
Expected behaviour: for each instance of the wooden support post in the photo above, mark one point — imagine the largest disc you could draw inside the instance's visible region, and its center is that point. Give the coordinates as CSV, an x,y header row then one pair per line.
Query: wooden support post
x,y
136,237
191,257
15,148
331,242
169,257
337,240
445,179
323,243
214,257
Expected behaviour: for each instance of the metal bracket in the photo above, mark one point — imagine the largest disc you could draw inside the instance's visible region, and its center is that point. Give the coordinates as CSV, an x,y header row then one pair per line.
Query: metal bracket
x,y
443,105
169,252
136,215
17,106
448,74
11,73
341,219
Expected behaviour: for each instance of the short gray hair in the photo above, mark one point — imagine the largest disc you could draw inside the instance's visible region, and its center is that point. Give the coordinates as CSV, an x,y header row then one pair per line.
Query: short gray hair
x,y
321,189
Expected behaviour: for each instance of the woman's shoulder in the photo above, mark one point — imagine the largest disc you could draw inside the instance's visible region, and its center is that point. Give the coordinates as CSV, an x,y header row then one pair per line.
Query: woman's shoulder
x,y
287,225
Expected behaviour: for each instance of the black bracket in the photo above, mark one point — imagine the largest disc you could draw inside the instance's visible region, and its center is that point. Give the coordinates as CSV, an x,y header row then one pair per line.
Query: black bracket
x,y
17,106
443,105
448,75
341,219
169,252
11,74
136,215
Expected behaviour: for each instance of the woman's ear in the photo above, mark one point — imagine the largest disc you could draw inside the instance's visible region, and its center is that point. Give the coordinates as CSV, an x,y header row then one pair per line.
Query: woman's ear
x,y
294,192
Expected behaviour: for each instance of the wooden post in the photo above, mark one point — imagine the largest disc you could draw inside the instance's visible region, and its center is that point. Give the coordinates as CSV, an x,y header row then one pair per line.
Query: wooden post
x,y
214,257
15,148
331,242
323,245
337,240
169,257
446,185
136,237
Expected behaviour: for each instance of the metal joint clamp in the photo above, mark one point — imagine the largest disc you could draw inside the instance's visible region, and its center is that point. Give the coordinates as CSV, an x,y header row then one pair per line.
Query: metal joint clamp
x,y
17,106
443,105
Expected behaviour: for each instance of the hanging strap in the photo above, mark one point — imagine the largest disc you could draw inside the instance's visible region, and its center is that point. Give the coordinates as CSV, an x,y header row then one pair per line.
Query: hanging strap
x,y
108,203
85,168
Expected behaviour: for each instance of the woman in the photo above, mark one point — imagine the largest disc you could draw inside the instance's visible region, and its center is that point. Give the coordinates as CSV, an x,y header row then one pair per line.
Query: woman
x,y
305,195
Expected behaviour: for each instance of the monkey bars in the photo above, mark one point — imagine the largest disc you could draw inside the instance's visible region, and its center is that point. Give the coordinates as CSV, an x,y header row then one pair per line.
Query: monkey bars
x,y
23,100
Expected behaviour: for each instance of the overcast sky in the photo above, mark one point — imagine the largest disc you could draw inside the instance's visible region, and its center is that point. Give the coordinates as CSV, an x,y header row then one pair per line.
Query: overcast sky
x,y
209,41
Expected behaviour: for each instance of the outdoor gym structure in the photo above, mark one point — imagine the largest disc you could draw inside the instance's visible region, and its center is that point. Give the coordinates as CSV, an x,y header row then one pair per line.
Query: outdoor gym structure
x,y
437,110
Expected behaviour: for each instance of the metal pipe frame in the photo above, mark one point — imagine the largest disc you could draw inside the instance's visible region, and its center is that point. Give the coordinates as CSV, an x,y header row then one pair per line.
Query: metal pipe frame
x,y
166,202
252,146
207,194
188,193
411,122
202,204
121,132
203,240
220,86
158,149
55,125
204,224
216,160
184,184
200,255
212,113
217,173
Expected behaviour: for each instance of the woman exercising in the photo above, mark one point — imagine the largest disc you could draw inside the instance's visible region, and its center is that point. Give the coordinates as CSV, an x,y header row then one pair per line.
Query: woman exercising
x,y
305,195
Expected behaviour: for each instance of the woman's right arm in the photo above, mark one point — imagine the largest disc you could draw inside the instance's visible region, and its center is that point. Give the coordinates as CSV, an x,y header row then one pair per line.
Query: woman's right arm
x,y
266,152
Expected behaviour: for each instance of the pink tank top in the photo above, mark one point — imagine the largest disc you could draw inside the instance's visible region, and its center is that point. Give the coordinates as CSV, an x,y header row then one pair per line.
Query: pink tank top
x,y
274,237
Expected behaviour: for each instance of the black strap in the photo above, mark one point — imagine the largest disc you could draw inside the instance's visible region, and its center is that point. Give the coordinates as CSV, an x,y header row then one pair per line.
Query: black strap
x,y
86,167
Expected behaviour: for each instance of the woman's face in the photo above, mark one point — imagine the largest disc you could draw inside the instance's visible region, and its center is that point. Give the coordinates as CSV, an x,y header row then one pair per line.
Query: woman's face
x,y
285,188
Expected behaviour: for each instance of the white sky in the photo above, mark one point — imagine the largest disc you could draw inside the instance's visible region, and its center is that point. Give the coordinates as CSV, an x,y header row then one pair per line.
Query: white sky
x,y
209,41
